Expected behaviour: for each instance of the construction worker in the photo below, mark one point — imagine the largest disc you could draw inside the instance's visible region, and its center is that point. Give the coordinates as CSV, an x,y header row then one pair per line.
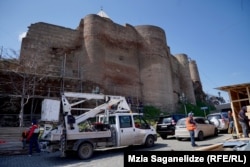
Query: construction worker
x,y
33,138
244,121
231,122
191,126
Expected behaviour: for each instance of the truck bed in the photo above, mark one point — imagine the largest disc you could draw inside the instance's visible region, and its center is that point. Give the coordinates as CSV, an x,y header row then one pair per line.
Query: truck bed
x,y
83,135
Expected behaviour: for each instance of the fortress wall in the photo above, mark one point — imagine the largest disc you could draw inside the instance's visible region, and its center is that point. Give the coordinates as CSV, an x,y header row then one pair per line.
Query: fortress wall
x,y
176,79
194,71
199,94
44,48
186,84
155,69
94,49
120,60
112,55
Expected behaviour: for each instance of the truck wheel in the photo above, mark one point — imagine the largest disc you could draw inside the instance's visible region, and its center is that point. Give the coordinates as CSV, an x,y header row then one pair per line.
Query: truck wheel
x,y
149,141
85,151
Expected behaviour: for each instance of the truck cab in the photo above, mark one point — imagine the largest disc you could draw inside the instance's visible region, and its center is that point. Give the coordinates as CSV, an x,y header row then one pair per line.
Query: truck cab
x,y
131,129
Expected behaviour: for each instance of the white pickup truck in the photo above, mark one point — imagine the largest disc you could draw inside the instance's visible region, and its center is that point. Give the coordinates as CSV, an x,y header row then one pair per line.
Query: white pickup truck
x,y
109,124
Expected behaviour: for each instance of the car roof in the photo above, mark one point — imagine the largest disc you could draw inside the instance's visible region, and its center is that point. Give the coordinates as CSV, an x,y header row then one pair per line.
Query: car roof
x,y
218,113
197,117
194,117
174,116
223,114
170,115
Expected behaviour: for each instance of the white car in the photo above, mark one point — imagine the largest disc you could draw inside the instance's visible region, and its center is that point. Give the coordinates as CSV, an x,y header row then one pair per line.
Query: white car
x,y
204,128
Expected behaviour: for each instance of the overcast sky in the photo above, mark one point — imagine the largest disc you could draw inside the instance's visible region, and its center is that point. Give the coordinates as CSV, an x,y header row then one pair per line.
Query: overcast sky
x,y
214,33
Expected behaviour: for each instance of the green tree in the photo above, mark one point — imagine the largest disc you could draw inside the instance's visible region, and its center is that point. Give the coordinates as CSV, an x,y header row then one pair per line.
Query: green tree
x,y
151,113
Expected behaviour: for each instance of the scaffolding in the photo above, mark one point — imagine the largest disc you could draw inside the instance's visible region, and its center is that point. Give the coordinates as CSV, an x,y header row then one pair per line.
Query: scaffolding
x,y
239,95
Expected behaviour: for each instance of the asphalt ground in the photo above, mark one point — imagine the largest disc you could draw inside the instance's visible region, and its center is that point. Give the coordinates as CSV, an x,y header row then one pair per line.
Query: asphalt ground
x,y
12,154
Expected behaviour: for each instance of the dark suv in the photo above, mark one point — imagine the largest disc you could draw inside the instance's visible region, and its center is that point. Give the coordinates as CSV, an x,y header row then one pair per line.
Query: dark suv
x,y
166,124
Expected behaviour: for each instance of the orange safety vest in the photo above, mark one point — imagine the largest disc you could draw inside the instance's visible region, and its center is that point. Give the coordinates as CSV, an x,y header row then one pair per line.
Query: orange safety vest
x,y
190,126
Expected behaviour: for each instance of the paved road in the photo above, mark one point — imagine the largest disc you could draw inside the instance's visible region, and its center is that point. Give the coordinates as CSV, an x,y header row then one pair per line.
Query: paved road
x,y
107,158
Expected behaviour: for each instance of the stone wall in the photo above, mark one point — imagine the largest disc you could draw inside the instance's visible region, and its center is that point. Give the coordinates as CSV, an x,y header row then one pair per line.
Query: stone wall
x,y
155,68
111,56
44,48
186,84
121,60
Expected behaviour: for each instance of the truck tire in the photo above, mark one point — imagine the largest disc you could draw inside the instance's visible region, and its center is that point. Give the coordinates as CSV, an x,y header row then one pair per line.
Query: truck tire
x,y
150,141
85,151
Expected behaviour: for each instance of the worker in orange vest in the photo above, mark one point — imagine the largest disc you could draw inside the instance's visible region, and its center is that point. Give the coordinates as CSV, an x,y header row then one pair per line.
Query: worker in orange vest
x,y
191,126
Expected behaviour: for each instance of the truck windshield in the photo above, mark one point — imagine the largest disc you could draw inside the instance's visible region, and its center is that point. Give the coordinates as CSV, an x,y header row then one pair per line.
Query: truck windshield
x,y
140,122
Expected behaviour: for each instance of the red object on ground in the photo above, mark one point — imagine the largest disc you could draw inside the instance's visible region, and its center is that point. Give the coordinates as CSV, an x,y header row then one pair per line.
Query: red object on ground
x,y
2,141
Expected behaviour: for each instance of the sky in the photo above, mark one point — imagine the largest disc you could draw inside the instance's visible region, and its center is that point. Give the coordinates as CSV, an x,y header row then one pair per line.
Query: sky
x,y
214,33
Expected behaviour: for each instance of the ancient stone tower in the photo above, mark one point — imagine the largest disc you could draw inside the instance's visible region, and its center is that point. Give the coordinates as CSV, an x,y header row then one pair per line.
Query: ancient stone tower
x,y
132,61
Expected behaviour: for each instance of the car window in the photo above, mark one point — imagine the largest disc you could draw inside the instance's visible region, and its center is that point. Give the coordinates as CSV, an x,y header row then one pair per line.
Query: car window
x,y
160,120
225,115
181,122
170,119
214,116
200,120
167,120
125,121
112,120
140,122
177,117
163,119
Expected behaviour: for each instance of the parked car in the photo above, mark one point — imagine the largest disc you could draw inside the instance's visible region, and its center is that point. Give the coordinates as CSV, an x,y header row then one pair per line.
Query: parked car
x,y
166,124
204,128
220,120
